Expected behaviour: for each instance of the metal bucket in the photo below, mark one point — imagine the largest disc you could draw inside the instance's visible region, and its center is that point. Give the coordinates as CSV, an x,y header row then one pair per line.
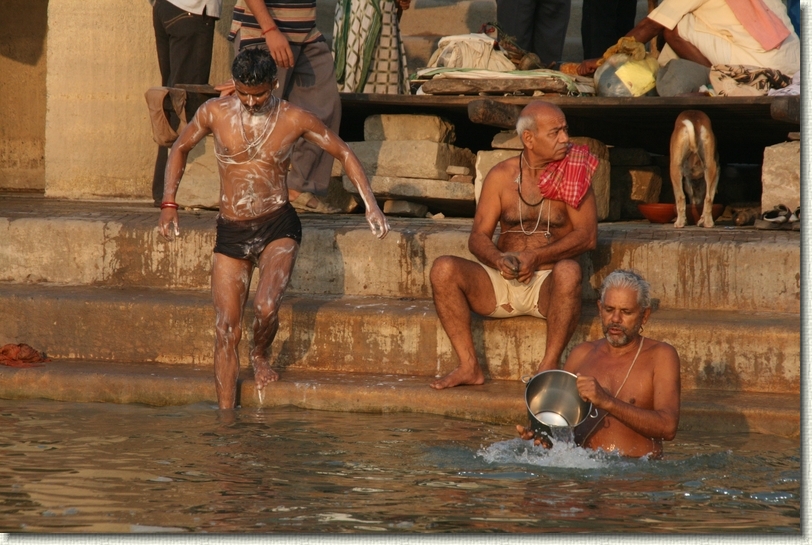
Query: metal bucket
x,y
553,402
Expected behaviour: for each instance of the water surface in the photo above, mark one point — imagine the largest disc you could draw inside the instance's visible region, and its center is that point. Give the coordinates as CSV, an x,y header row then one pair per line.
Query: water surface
x,y
70,467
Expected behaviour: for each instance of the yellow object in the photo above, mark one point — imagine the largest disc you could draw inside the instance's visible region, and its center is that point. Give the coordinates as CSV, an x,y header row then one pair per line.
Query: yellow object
x,y
639,77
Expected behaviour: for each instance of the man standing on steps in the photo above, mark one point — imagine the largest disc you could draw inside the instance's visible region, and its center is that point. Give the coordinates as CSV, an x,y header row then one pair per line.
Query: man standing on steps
x,y
254,134
545,207
632,381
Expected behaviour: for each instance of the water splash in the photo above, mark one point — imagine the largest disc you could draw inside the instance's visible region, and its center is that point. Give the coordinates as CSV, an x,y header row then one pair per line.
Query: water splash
x,y
562,455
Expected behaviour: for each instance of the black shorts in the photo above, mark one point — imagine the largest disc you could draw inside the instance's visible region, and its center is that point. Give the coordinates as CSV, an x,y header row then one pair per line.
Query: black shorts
x,y
247,239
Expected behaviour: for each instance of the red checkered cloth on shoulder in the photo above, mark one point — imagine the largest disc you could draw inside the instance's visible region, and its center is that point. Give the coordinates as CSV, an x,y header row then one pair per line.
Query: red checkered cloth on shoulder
x,y
569,179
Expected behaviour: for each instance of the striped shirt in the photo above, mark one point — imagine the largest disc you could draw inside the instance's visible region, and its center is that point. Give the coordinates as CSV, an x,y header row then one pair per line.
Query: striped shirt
x,y
296,19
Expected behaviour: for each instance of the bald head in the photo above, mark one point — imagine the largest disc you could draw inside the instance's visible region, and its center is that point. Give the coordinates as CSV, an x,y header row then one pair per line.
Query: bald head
x,y
533,113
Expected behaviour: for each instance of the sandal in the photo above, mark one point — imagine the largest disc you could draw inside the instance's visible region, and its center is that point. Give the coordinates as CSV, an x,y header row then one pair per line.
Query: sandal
x,y
302,204
795,219
777,218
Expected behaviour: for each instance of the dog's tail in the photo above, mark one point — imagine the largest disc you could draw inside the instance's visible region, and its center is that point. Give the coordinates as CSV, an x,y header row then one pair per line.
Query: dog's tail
x,y
691,132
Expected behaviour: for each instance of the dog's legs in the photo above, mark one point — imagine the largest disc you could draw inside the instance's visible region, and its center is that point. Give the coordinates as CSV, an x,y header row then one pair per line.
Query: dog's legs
x,y
711,182
679,150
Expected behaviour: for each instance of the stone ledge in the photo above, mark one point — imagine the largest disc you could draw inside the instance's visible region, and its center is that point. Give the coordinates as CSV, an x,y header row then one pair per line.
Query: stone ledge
x,y
499,402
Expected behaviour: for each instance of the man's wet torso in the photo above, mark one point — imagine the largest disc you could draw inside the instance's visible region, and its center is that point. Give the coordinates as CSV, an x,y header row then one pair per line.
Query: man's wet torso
x,y
253,152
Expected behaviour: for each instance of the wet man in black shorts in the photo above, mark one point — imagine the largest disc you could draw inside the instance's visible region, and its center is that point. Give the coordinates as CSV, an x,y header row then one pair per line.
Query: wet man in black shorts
x,y
257,227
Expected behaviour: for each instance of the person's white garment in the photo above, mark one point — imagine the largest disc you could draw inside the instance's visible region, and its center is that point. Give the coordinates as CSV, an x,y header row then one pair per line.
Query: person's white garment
x,y
713,28
212,7
470,51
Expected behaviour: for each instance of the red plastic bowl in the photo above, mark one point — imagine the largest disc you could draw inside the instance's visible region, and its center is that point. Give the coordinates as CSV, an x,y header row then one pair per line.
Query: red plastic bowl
x,y
667,212
693,212
658,212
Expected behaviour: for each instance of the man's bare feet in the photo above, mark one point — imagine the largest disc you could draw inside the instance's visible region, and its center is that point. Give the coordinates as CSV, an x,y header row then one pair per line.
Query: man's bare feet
x,y
263,374
459,377
527,434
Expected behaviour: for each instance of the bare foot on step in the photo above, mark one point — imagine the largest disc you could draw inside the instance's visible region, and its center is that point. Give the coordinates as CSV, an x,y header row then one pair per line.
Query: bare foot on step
x,y
263,374
459,377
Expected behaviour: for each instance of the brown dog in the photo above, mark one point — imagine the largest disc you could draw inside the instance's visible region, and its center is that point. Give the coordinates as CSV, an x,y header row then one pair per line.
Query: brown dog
x,y
693,158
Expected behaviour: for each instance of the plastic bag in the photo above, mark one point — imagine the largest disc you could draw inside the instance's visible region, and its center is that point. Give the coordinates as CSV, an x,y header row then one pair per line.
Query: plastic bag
x,y
621,76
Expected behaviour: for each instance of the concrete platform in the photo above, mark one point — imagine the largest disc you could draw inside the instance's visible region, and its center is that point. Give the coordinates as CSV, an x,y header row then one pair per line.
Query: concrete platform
x,y
93,282
48,241
497,401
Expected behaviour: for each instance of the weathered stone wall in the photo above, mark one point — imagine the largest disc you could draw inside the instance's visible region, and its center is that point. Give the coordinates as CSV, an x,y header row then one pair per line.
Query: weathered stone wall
x,y
102,59
22,88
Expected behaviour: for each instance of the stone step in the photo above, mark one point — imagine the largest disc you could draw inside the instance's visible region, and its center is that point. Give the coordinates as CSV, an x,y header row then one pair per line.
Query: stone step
x,y
736,351
499,402
109,244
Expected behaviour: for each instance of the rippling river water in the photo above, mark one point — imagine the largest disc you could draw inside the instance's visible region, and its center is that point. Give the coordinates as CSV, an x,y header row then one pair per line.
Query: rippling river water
x,y
69,467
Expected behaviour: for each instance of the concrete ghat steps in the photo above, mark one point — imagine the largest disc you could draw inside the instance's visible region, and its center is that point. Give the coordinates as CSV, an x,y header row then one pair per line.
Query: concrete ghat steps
x,y
719,350
693,268
499,402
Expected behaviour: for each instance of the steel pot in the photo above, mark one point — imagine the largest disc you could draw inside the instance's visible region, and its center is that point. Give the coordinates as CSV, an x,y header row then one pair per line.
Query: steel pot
x,y
553,402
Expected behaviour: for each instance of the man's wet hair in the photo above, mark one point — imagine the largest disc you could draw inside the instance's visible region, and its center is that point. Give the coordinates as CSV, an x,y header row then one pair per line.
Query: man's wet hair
x,y
253,66
625,278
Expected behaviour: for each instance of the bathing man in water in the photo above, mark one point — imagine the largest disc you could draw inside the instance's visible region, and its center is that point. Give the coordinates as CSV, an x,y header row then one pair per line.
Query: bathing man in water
x,y
257,227
634,382
545,207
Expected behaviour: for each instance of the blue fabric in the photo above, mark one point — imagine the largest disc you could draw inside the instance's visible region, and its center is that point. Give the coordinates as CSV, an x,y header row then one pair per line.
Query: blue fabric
x,y
794,13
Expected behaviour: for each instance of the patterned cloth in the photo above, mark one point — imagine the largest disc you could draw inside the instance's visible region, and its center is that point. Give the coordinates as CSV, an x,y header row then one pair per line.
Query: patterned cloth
x,y
368,49
737,80
569,179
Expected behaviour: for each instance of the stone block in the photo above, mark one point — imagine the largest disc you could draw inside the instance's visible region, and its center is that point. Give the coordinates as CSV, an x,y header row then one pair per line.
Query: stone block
x,y
485,161
507,140
339,197
601,186
629,157
601,178
405,209
408,127
200,185
630,187
451,198
419,159
337,169
596,147
781,176
456,170
460,179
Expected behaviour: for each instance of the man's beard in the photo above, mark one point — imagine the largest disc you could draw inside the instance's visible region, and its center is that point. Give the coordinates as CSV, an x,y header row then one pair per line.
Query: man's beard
x,y
626,336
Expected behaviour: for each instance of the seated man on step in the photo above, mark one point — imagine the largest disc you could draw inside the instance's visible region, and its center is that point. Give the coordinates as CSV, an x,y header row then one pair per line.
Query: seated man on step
x,y
543,202
254,134
633,382
713,32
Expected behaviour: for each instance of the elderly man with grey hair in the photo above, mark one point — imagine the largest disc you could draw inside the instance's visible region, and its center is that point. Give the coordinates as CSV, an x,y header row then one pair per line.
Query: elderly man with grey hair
x,y
632,381
545,208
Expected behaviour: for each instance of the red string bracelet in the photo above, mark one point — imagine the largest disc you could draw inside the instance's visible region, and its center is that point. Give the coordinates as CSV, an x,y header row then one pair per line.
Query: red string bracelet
x,y
169,205
264,32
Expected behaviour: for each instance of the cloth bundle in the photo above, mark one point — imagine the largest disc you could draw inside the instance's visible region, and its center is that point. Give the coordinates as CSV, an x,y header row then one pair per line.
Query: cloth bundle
x,y
21,355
